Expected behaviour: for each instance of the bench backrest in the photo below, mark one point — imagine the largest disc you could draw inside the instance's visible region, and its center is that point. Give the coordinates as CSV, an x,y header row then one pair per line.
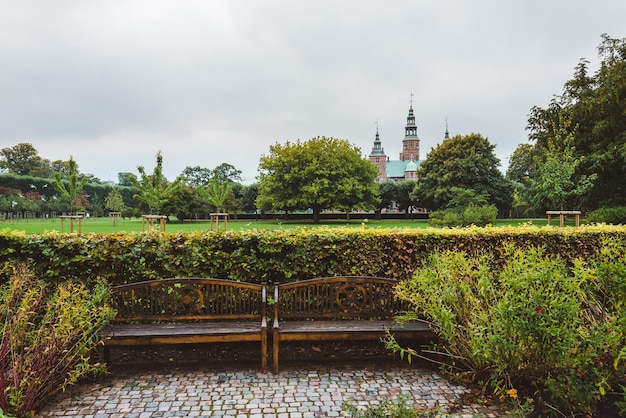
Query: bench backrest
x,y
350,297
189,299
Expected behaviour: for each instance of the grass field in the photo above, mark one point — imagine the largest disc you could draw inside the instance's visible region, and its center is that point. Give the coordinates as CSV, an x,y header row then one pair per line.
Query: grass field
x,y
104,225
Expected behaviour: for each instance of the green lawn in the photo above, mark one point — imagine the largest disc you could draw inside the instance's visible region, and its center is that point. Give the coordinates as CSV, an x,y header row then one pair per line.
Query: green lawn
x,y
104,225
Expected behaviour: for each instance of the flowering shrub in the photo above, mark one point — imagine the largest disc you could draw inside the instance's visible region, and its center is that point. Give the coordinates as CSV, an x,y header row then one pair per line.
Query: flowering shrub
x,y
533,325
45,338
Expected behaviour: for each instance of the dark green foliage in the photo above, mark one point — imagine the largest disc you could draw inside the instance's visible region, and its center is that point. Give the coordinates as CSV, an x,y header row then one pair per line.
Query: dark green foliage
x,y
318,174
592,112
614,216
462,162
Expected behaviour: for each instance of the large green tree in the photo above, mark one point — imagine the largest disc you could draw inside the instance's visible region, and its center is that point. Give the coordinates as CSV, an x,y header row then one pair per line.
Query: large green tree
x,y
22,159
196,176
466,162
321,173
592,111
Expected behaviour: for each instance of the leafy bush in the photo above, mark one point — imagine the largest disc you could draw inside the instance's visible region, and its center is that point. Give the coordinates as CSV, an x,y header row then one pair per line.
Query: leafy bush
x,y
466,216
480,215
614,216
46,338
445,218
533,323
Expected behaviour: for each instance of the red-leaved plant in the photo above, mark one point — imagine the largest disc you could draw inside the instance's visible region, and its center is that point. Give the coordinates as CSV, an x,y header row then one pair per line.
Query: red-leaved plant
x,y
45,338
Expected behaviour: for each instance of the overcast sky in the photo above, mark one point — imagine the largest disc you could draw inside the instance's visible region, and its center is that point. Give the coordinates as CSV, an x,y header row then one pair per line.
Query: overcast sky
x,y
208,82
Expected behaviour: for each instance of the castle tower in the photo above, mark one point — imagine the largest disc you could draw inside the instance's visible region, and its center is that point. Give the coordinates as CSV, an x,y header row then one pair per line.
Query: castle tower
x,y
378,157
411,142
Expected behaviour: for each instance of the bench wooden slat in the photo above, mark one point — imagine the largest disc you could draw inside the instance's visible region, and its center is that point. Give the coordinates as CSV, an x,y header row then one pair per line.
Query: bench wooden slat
x,y
341,326
170,329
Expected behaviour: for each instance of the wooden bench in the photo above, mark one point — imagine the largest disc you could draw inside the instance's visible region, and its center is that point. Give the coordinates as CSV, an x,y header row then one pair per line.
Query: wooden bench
x,y
339,309
188,311
562,214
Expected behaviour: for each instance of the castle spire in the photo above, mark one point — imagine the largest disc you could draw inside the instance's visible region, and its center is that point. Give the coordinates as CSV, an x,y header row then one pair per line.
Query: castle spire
x,y
411,142
378,150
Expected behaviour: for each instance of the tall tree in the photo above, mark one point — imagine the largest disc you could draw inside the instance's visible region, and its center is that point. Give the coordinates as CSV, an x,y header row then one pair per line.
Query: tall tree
x,y
226,173
321,173
22,159
594,107
153,190
467,162
196,176
72,187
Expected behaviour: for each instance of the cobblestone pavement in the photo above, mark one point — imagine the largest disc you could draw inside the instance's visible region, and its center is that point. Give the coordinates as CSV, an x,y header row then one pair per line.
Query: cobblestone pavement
x,y
295,392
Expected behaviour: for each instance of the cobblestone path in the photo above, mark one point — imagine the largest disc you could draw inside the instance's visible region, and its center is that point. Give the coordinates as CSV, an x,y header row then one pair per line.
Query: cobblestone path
x,y
294,393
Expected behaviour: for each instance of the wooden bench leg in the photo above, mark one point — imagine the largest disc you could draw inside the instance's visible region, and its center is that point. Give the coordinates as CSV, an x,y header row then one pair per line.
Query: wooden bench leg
x,y
275,341
264,352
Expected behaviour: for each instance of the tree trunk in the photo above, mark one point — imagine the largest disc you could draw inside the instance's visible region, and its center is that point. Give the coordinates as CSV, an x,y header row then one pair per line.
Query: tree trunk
x,y
316,214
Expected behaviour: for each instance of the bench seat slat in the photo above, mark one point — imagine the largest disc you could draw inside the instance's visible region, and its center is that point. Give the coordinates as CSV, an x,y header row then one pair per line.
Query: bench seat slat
x,y
178,329
353,326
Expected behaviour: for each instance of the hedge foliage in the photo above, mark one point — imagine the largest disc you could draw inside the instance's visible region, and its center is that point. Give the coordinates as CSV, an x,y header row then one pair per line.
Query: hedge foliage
x,y
283,255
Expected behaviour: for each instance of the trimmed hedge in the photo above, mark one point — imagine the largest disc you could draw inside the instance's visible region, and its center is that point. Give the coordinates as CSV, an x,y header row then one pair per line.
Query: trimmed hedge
x,y
288,255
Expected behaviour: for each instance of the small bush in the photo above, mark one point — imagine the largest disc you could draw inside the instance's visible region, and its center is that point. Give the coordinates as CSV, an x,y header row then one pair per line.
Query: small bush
x,y
536,326
480,215
467,216
614,216
46,338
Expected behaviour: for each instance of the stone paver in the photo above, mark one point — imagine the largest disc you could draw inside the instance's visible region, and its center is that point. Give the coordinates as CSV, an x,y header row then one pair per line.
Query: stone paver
x,y
294,393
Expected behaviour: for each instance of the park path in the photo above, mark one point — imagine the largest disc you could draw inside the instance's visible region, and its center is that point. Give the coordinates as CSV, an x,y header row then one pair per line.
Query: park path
x,y
296,392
